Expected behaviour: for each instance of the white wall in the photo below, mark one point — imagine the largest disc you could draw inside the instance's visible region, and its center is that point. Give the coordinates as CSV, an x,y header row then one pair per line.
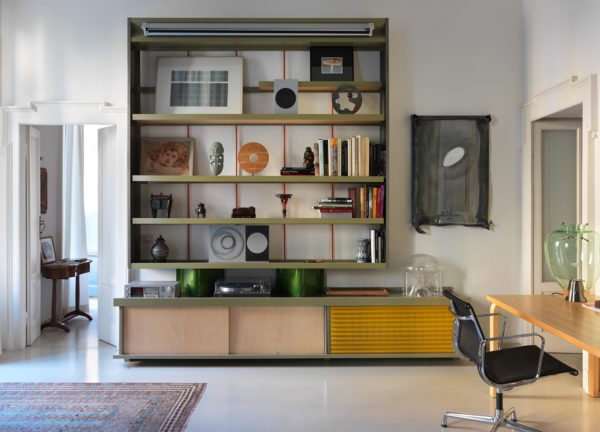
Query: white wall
x,y
51,159
458,57
561,39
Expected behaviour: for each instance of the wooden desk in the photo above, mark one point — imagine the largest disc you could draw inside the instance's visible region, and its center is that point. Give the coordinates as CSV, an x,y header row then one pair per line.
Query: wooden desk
x,y
65,269
567,320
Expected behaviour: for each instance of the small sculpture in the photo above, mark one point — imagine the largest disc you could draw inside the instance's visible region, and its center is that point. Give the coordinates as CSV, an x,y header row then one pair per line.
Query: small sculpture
x,y
349,92
201,210
161,202
160,250
284,199
215,156
309,158
243,212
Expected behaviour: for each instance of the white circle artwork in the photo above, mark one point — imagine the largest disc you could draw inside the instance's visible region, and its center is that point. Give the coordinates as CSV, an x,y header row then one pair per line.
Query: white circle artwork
x,y
257,243
227,243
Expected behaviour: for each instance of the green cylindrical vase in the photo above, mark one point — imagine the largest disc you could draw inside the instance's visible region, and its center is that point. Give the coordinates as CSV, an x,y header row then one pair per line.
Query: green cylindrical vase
x,y
301,282
198,282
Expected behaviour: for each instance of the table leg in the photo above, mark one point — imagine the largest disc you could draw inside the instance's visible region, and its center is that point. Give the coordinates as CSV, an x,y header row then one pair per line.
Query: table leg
x,y
53,321
593,387
77,311
493,333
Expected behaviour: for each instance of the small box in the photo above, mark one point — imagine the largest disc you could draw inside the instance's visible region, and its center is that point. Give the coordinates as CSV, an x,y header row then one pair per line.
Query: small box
x,y
152,289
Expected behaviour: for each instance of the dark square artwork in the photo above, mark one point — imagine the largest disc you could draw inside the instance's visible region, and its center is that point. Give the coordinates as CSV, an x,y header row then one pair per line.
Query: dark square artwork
x,y
450,171
331,64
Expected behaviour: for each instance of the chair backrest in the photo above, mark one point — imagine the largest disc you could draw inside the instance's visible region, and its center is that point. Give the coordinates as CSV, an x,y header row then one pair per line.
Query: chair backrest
x,y
467,334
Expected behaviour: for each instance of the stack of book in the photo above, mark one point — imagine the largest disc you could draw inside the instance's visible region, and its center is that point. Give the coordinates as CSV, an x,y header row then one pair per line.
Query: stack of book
x,y
355,156
335,207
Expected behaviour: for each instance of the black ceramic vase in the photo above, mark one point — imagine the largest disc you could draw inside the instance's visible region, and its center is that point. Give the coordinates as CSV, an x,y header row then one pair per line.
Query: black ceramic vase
x,y
160,250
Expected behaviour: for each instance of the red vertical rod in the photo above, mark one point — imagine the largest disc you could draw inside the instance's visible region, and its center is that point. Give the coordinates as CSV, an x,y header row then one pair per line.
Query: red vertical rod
x,y
332,194
284,145
235,156
188,208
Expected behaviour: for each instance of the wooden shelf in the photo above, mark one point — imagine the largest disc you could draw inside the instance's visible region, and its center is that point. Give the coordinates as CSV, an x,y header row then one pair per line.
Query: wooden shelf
x,y
255,179
258,119
326,86
325,264
258,221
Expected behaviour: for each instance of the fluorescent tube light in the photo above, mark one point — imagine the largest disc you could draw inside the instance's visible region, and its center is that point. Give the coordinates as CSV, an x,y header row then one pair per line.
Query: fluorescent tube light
x,y
257,29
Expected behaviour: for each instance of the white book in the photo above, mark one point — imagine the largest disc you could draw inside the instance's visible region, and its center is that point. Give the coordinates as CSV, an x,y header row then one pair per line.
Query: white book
x,y
359,154
322,163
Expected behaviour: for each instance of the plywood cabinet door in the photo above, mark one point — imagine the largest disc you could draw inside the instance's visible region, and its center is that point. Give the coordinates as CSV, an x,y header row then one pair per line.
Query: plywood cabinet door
x,y
176,330
277,330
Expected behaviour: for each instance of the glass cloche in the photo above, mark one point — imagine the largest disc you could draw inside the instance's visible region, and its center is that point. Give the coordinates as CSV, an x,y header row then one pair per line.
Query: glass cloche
x,y
422,276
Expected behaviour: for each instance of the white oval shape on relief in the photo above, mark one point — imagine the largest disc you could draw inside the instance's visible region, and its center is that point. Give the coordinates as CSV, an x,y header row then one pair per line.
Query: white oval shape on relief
x,y
453,156
257,243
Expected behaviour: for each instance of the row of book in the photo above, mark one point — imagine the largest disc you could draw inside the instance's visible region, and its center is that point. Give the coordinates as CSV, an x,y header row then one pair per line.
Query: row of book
x,y
355,156
367,201
376,246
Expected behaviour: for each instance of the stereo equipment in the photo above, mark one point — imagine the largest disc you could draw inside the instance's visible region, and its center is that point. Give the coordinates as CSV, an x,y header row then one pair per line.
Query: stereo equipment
x,y
246,288
152,289
285,95
238,243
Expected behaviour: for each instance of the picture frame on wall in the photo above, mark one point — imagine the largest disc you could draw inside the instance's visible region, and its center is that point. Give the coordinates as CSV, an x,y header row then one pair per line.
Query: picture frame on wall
x,y
331,63
47,250
43,190
199,85
167,156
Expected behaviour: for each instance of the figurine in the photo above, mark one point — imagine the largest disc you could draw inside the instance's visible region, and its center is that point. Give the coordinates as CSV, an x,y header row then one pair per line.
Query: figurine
x,y
284,199
201,210
215,156
309,158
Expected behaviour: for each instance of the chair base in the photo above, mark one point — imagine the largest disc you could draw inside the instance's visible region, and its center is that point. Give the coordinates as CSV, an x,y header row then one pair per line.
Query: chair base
x,y
500,419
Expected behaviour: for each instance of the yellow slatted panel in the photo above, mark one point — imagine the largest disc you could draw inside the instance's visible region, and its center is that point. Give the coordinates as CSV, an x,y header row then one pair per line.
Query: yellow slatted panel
x,y
390,329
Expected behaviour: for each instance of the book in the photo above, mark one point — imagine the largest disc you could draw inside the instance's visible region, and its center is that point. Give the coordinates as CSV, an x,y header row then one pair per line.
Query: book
x,y
366,144
297,171
359,156
336,199
352,195
344,158
373,245
323,148
333,157
316,161
324,215
363,198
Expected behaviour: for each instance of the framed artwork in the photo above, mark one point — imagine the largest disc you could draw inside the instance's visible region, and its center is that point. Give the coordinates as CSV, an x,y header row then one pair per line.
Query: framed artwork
x,y
167,156
47,250
43,190
331,64
450,171
199,85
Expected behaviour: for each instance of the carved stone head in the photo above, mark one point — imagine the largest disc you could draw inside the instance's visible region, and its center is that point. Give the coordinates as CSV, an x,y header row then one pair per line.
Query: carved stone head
x,y
215,156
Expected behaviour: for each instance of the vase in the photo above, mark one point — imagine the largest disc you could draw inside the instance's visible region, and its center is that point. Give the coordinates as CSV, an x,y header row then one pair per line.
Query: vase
x,y
160,250
362,252
571,253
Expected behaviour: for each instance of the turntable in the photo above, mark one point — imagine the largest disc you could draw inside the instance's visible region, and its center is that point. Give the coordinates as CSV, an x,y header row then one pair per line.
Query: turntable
x,y
256,288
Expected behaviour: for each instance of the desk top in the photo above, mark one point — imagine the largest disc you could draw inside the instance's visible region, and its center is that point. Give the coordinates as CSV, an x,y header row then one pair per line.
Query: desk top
x,y
570,321
65,268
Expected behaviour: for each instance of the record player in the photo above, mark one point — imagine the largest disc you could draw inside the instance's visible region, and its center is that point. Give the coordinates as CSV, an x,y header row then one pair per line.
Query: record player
x,y
246,288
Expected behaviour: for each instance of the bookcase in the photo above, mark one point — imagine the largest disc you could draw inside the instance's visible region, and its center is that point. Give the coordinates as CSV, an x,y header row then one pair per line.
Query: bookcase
x,y
265,58
275,327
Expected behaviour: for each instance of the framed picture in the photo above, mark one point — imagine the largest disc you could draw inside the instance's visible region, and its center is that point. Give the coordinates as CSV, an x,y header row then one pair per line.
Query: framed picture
x,y
167,156
331,64
47,249
199,85
43,190
450,171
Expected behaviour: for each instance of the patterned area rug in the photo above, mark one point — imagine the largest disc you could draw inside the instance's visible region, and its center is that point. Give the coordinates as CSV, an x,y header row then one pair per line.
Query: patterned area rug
x,y
97,406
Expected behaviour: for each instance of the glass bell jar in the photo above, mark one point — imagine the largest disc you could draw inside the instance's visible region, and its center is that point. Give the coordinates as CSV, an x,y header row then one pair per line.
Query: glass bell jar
x,y
571,255
422,276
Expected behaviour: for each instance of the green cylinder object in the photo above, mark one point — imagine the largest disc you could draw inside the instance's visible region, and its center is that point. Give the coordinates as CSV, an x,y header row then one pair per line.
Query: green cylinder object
x,y
301,282
571,254
198,282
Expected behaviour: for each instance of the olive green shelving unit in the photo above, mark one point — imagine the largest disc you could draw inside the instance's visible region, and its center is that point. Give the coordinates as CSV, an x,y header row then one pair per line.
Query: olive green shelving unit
x,y
274,327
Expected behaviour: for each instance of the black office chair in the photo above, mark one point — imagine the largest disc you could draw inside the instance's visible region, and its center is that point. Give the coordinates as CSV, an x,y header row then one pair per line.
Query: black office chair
x,y
502,369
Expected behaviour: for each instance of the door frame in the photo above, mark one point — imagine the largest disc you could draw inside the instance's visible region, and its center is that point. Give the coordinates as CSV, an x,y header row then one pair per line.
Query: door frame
x,y
13,208
566,94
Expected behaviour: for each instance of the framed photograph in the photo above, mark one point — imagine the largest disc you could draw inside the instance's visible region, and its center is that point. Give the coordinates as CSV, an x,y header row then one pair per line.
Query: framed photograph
x,y
450,171
199,85
167,156
43,190
331,64
47,250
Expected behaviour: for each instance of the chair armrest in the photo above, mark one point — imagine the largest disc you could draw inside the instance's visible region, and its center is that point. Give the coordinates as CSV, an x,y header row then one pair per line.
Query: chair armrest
x,y
503,323
484,342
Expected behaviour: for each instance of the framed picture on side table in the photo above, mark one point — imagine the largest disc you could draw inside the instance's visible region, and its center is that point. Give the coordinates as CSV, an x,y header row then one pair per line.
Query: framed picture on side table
x,y
199,85
47,249
167,156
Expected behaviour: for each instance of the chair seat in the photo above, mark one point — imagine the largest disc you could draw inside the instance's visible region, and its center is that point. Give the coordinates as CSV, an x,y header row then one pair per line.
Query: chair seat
x,y
520,363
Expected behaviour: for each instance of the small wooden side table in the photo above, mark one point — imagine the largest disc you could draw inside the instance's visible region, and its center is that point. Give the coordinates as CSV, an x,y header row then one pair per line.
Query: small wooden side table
x,y
65,269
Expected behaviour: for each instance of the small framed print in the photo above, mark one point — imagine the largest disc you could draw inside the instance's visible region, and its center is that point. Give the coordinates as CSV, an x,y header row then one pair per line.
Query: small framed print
x,y
331,64
47,250
199,85
167,156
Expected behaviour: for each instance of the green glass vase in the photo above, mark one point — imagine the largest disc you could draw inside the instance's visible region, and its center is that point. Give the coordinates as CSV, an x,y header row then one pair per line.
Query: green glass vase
x,y
300,282
571,255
